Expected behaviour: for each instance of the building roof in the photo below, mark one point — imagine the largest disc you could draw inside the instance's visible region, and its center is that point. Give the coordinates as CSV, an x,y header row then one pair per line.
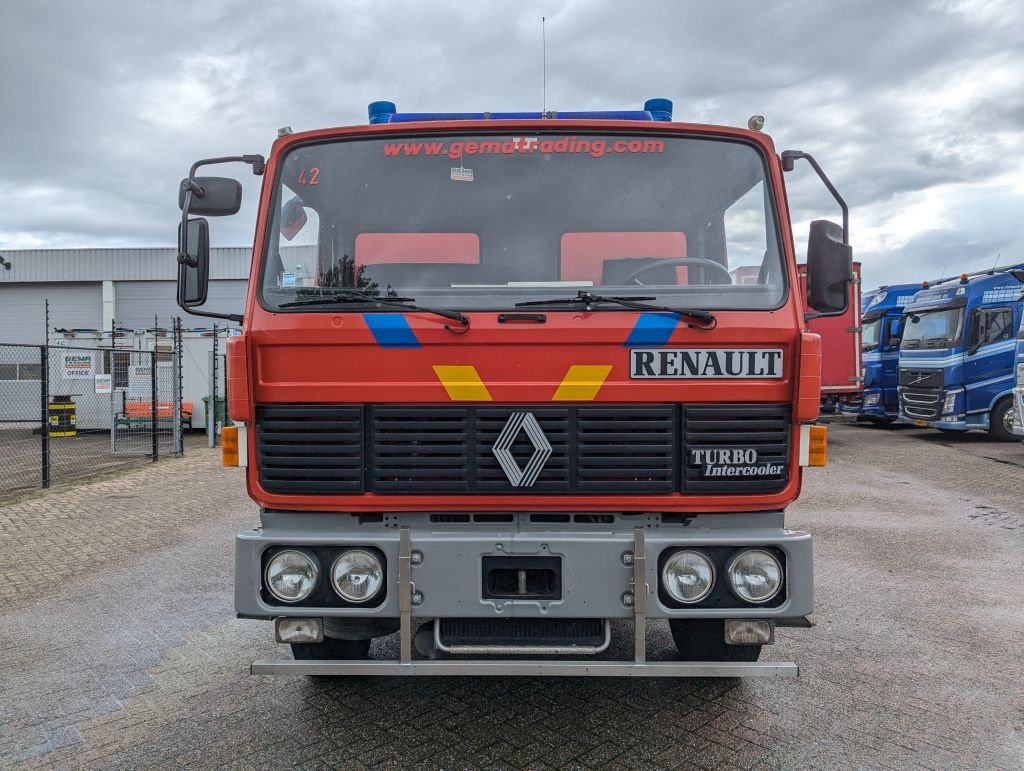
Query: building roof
x,y
121,264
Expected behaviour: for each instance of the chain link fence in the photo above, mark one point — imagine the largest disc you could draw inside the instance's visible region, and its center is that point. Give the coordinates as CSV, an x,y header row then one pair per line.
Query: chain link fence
x,y
68,411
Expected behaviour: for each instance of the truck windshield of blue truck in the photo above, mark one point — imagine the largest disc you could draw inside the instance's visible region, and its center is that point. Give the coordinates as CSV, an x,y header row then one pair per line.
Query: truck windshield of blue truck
x,y
482,222
933,329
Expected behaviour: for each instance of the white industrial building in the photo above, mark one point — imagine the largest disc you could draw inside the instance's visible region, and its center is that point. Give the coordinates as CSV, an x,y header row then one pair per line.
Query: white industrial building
x,y
92,291
95,289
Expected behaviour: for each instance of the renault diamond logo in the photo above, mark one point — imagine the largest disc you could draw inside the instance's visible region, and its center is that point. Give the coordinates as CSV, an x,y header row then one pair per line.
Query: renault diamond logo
x,y
502,449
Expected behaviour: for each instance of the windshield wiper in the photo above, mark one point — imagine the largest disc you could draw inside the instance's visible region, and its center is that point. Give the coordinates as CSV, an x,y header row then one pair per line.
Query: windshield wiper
x,y
356,296
589,299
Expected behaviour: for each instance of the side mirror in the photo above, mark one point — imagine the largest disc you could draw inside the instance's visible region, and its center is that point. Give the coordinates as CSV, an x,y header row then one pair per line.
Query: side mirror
x,y
829,268
193,263
211,196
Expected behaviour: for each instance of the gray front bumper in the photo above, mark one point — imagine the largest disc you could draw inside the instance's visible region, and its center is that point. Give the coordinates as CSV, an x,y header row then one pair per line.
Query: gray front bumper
x,y
597,582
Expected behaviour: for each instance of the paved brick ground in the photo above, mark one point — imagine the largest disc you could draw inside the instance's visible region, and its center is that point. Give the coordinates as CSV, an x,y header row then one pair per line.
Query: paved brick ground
x,y
128,654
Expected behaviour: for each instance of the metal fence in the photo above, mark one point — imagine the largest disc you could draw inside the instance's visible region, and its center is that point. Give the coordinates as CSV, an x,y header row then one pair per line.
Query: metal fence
x,y
67,412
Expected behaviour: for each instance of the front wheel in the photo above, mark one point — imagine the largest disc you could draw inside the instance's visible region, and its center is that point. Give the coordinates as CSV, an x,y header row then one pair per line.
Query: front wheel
x,y
704,640
1000,422
331,649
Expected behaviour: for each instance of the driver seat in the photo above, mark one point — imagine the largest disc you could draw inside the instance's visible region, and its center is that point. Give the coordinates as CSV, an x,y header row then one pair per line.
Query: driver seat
x,y
607,258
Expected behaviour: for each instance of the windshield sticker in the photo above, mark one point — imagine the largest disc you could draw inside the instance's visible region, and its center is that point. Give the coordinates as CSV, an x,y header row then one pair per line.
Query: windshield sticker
x,y
706,363
733,462
288,278
565,145
461,174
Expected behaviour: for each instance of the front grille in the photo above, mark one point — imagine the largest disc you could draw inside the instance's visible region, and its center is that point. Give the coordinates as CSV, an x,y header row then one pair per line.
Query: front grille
x,y
593,449
586,449
921,404
310,449
921,378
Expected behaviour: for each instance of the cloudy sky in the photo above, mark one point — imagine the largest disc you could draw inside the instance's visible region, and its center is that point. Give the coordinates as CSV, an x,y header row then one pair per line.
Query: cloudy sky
x,y
916,110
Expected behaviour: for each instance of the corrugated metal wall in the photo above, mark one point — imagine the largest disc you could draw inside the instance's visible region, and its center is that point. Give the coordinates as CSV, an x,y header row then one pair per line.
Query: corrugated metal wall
x,y
135,302
72,306
38,265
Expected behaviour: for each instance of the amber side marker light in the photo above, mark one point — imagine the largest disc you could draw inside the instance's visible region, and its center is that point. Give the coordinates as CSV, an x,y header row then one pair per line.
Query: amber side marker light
x,y
817,451
229,446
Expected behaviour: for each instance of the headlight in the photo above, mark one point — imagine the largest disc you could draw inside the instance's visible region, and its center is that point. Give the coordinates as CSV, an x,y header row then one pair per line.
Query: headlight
x,y
870,400
291,576
688,576
949,403
357,575
1020,374
755,576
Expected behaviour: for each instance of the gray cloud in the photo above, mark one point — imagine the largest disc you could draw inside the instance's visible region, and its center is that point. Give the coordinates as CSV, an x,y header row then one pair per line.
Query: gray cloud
x,y
914,107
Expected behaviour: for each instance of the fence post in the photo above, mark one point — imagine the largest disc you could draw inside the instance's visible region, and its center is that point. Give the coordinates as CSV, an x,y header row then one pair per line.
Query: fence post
x,y
155,406
176,383
44,417
211,421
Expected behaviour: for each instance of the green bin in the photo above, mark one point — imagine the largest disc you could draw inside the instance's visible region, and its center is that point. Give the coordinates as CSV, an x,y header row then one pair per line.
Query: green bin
x,y
221,414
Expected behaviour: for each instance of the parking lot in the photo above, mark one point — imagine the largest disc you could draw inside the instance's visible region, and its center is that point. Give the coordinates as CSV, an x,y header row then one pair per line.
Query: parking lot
x,y
121,647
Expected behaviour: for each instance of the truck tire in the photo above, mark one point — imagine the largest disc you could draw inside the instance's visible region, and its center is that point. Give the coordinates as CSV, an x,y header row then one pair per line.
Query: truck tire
x,y
1000,421
704,640
331,649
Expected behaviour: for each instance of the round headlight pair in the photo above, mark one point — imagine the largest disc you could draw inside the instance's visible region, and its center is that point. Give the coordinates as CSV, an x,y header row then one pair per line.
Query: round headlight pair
x,y
755,576
356,575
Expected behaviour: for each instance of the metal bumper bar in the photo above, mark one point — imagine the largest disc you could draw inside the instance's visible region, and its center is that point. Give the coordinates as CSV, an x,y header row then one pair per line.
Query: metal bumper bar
x,y
476,668
639,667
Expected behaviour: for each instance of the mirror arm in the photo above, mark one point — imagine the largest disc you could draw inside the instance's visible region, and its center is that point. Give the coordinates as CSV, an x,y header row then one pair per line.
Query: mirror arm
x,y
191,188
789,156
238,317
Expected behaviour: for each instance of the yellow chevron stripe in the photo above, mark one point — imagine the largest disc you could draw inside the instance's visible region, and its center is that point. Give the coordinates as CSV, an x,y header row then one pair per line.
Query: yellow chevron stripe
x,y
582,382
463,384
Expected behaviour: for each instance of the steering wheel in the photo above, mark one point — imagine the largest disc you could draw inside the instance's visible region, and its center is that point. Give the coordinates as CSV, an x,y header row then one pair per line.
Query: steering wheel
x,y
701,261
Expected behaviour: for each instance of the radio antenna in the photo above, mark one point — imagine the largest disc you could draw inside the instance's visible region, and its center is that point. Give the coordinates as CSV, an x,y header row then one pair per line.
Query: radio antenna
x,y
544,67
1000,254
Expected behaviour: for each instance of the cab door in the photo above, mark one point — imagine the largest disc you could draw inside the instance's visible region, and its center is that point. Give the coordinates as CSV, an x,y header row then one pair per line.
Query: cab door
x,y
988,363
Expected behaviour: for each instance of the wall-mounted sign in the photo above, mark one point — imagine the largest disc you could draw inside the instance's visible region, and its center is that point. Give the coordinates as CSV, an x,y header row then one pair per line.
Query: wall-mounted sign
x,y
77,365
104,384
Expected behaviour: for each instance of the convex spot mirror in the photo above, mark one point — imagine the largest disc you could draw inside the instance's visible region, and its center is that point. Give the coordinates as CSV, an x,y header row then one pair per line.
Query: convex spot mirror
x,y
193,263
829,268
221,196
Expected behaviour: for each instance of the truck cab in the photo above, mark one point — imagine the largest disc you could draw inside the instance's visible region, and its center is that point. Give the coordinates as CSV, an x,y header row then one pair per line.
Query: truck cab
x,y
497,390
1018,389
956,359
881,330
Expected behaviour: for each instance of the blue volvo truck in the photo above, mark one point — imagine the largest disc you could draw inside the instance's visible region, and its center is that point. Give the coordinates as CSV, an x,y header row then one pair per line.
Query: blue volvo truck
x,y
1018,391
957,356
881,330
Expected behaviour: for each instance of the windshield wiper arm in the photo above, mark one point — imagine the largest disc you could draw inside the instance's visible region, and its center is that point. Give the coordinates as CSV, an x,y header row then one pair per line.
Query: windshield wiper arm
x,y
355,296
589,299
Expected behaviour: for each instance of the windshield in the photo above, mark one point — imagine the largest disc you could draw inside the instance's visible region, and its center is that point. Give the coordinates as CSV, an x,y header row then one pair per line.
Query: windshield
x,y
934,329
870,333
483,222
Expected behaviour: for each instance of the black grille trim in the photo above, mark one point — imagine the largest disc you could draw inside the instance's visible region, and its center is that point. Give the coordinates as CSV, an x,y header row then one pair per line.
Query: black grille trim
x,y
921,378
310,449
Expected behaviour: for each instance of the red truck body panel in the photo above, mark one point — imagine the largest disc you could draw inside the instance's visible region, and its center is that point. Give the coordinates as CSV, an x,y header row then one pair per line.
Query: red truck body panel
x,y
841,368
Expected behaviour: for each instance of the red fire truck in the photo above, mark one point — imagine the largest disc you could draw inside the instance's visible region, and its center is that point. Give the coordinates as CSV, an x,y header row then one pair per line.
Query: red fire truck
x,y
497,393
